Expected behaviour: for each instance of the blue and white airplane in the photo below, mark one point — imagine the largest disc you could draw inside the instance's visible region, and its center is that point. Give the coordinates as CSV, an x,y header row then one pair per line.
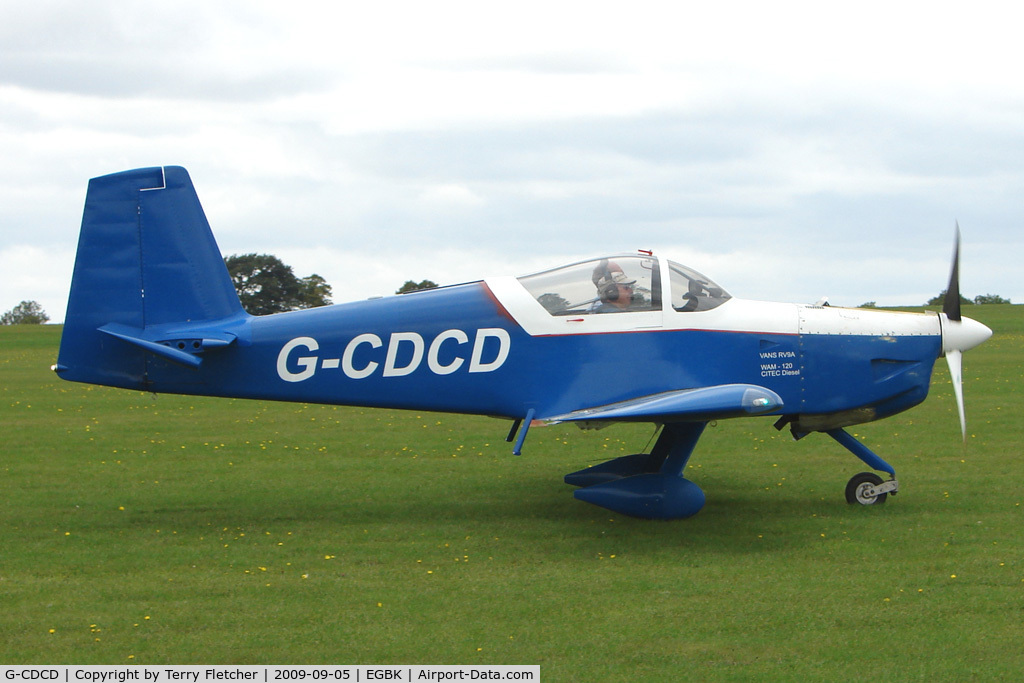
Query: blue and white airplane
x,y
627,338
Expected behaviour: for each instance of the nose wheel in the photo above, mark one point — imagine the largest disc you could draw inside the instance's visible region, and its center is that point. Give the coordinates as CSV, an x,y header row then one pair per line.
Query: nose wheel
x,y
867,488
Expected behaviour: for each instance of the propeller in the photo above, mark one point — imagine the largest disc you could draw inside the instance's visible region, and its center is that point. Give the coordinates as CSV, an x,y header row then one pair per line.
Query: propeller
x,y
959,334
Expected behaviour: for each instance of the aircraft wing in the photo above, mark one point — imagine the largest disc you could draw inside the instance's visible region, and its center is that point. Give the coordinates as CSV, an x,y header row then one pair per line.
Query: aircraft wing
x,y
684,405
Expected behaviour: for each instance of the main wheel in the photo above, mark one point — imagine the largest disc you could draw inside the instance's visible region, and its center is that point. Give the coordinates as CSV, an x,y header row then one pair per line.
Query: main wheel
x,y
858,487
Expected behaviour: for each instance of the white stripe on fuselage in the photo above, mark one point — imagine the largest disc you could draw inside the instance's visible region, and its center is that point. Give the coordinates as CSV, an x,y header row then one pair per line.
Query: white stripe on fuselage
x,y
735,315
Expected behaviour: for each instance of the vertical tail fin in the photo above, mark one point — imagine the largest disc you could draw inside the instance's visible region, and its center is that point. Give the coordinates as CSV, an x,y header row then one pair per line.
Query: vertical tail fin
x,y
146,257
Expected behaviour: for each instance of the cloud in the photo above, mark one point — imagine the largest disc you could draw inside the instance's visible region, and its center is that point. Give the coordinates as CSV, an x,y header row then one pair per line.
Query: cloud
x,y
182,51
36,274
766,141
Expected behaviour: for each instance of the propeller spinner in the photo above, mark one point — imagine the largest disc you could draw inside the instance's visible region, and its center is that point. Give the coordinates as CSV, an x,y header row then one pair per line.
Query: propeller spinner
x,y
959,334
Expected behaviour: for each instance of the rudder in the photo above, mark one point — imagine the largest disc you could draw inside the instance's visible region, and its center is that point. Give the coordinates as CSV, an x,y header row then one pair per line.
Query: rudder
x,y
146,257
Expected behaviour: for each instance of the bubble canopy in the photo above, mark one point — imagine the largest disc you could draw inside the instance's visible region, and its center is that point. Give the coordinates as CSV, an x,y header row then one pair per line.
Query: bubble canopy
x,y
622,284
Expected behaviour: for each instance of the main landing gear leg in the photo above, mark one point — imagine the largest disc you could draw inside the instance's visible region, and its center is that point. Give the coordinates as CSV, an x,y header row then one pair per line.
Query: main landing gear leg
x,y
647,485
866,488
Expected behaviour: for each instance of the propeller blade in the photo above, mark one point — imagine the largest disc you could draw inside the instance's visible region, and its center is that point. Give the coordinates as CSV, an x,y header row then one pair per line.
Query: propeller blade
x,y
955,361
951,306
959,334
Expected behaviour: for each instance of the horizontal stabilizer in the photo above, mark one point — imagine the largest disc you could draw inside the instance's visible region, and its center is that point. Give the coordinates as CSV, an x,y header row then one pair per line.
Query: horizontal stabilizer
x,y
181,346
704,403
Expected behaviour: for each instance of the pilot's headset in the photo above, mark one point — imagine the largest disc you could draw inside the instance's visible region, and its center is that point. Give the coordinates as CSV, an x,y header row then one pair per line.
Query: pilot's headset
x,y
607,287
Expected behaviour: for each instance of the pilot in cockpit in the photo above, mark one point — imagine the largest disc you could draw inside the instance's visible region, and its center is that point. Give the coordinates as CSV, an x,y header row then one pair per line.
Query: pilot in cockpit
x,y
614,288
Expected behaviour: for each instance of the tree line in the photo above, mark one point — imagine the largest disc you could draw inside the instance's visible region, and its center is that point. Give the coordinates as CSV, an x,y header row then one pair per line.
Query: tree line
x,y
940,299
266,285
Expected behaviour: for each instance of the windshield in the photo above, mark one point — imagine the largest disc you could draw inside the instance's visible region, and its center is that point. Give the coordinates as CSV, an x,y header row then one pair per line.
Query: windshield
x,y
692,291
617,284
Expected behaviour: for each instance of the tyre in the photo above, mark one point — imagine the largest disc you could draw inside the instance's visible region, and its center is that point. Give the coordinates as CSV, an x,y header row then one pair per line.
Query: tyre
x,y
858,487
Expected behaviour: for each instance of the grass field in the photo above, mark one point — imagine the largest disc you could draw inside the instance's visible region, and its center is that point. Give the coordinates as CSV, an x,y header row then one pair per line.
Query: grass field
x,y
141,529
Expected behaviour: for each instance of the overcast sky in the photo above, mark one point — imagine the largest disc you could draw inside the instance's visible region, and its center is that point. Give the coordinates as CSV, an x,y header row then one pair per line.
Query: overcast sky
x,y
788,150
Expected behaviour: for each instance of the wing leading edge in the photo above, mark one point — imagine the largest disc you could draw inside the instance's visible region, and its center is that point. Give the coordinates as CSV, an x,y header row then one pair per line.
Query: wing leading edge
x,y
685,405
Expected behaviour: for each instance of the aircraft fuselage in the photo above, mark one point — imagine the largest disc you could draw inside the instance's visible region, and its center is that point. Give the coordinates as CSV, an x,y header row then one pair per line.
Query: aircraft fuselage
x,y
461,349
